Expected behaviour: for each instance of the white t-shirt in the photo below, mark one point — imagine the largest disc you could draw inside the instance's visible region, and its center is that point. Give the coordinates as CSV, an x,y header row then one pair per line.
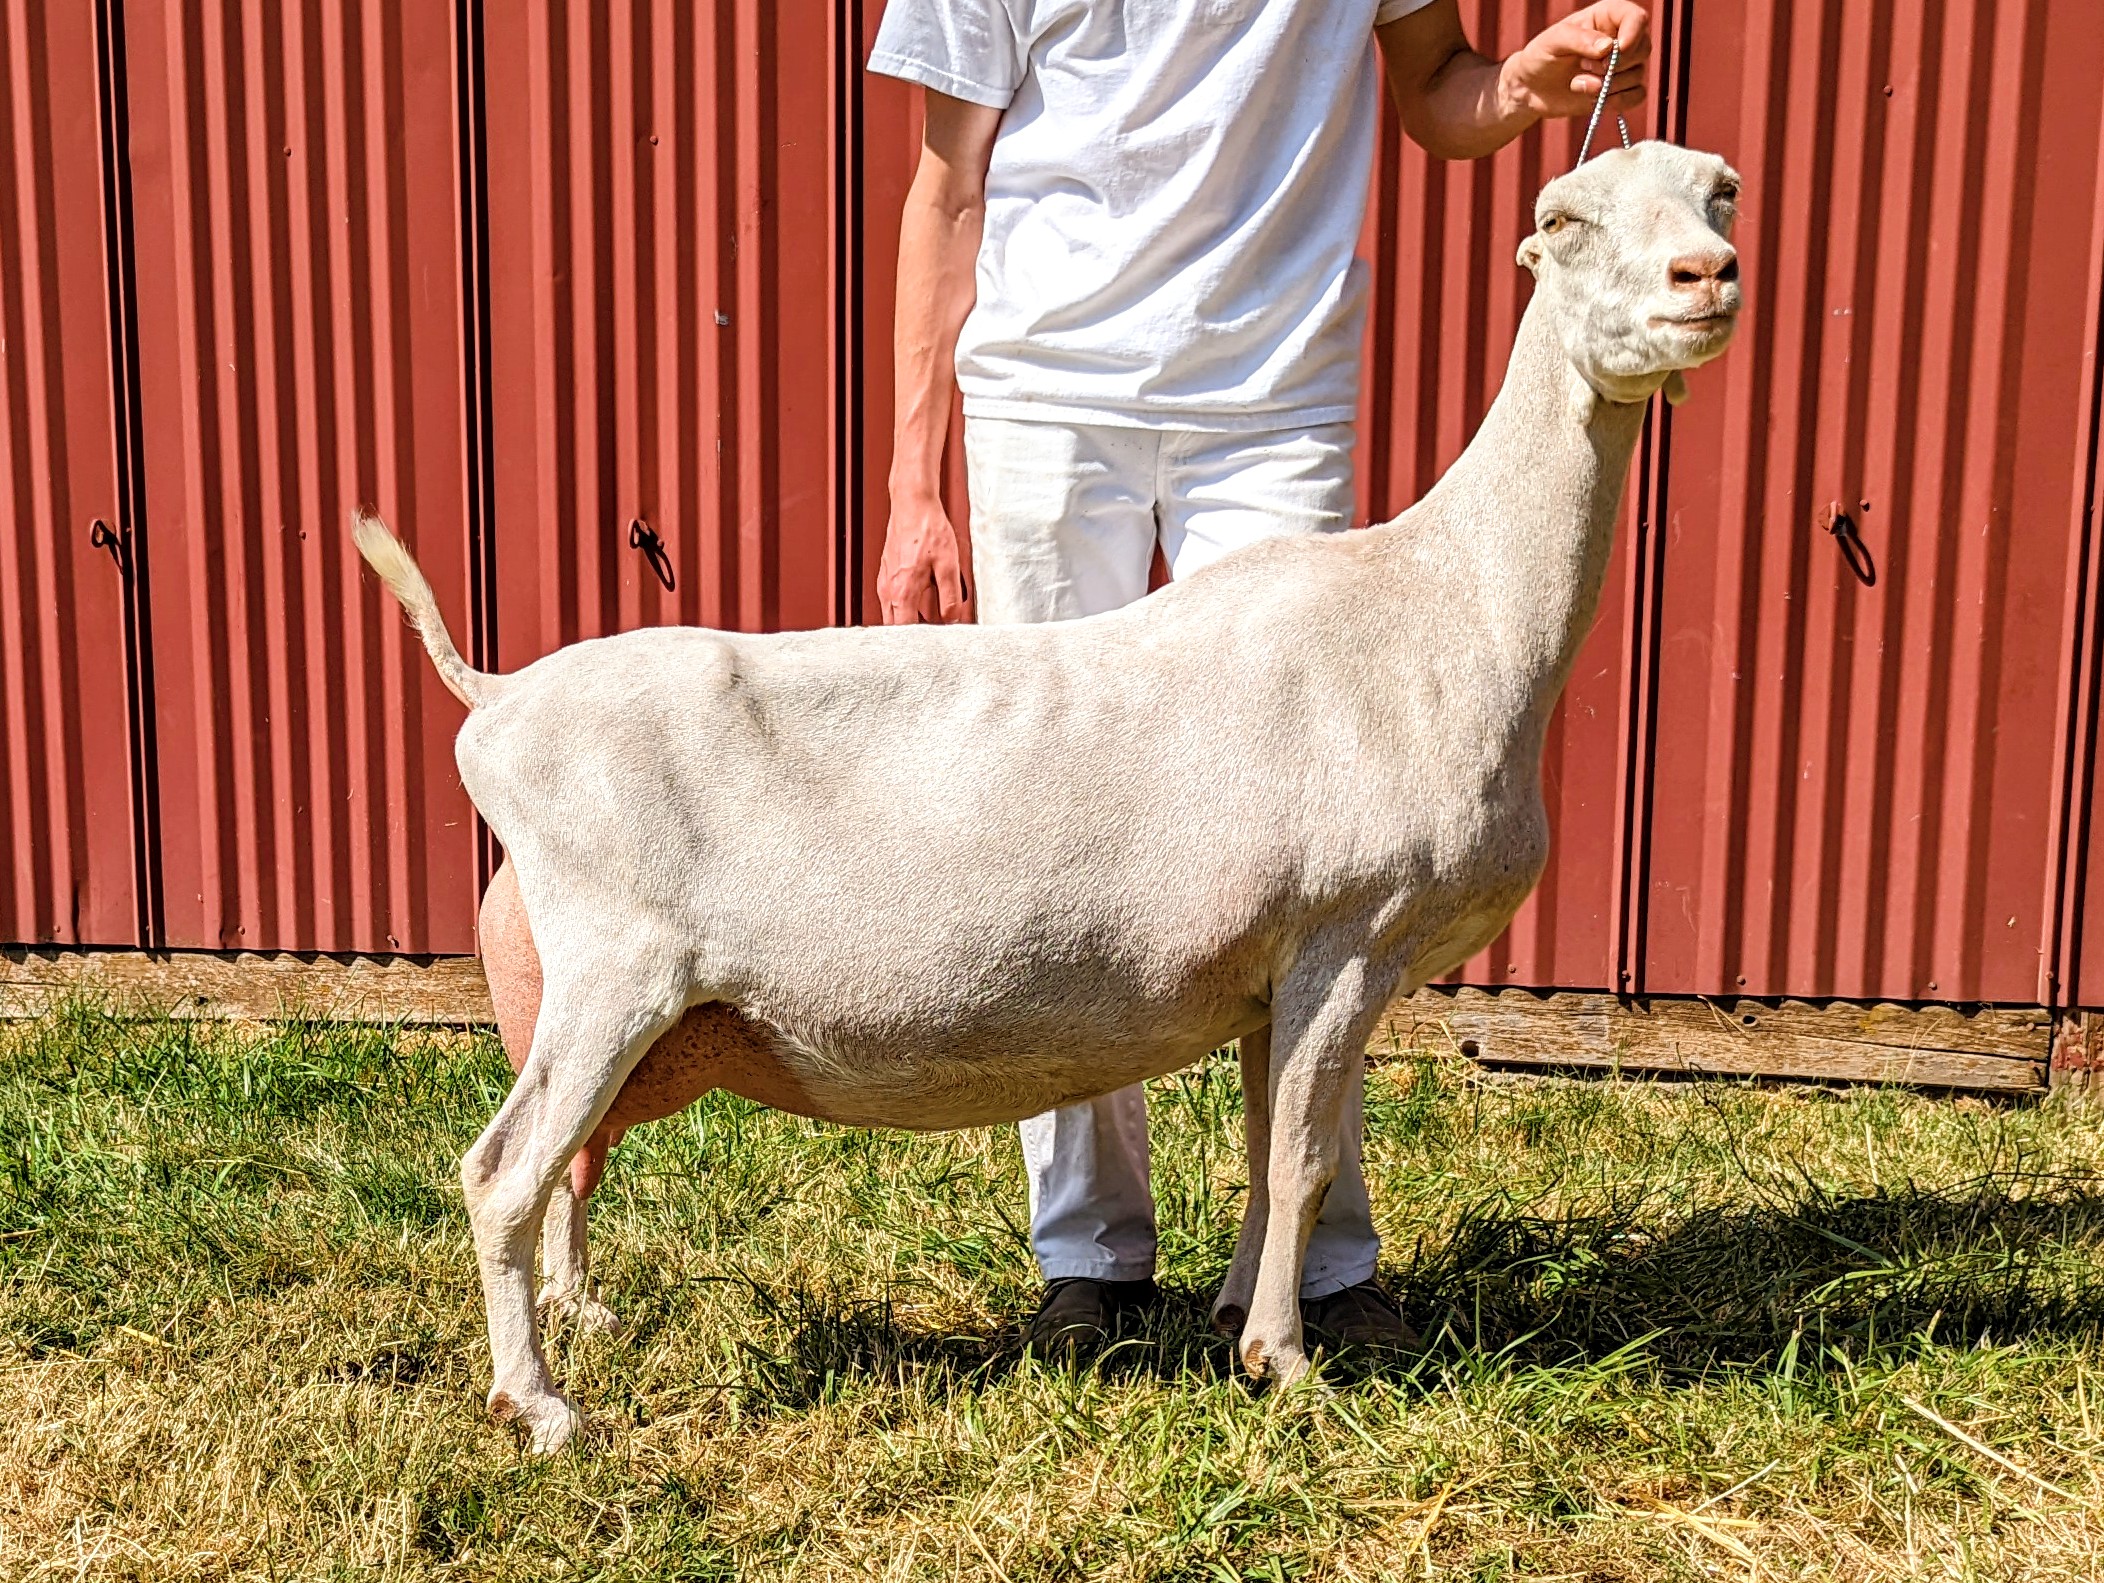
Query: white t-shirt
x,y
1173,205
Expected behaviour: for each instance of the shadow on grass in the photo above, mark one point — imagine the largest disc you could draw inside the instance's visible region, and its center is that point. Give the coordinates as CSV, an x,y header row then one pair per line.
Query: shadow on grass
x,y
832,1339
2006,1258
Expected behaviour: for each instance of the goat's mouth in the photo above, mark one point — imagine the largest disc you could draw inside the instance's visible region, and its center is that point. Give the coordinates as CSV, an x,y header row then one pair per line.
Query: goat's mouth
x,y
1698,323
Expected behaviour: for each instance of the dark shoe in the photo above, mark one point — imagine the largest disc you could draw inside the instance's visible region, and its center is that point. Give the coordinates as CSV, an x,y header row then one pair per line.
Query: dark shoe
x,y
1078,1312
1359,1316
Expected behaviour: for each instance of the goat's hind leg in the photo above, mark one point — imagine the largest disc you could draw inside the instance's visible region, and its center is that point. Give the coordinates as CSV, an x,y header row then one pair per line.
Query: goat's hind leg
x,y
566,1269
594,1025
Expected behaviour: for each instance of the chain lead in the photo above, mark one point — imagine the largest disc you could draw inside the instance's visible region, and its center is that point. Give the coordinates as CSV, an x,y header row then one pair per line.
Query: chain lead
x,y
1607,82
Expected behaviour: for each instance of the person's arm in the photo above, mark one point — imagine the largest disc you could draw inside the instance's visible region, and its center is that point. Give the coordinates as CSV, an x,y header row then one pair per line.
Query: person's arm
x,y
1457,104
920,577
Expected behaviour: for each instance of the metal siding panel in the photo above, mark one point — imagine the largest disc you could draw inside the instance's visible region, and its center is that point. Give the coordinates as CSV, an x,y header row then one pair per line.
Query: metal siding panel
x,y
661,264
65,794
2078,892
1851,783
889,150
300,351
1446,304
799,303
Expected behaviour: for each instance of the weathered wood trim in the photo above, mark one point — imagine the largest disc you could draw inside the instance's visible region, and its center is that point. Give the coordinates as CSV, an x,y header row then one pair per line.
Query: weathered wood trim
x,y
446,990
1994,1047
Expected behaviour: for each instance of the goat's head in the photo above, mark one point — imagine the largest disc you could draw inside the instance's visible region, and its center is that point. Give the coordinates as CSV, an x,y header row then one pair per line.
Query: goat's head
x,y
1633,252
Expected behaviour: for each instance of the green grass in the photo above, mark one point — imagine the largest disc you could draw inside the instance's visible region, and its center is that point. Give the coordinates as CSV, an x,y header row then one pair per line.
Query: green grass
x,y
1676,1331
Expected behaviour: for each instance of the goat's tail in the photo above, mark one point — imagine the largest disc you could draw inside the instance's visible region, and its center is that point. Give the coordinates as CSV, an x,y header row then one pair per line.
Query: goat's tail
x,y
385,554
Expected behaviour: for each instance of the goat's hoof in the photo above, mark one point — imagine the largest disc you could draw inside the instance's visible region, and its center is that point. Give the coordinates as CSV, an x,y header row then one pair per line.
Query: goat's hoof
x,y
1281,1364
585,1312
550,1421
594,1315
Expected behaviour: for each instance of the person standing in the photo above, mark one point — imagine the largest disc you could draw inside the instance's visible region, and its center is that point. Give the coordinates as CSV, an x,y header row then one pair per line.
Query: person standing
x,y
1131,242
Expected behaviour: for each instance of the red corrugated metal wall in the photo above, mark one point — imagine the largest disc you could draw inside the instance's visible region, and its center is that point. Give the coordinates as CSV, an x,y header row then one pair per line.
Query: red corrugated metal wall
x,y
1851,785
594,301
2077,959
65,789
663,291
296,213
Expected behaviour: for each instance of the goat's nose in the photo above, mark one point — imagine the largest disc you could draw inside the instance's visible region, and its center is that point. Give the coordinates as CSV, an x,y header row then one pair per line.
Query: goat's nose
x,y
1694,271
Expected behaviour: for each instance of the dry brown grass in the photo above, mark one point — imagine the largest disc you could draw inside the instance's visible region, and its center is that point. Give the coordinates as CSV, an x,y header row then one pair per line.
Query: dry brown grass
x,y
1686,1331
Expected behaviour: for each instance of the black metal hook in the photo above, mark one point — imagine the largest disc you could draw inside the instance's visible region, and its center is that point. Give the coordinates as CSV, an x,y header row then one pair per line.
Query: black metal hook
x,y
1837,521
103,537
641,536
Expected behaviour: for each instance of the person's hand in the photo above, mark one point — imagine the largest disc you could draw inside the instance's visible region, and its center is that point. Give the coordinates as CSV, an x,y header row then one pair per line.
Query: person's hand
x,y
920,576
1558,72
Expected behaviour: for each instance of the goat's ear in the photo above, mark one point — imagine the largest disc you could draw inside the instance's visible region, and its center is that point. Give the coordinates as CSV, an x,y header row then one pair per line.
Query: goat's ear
x,y
1530,255
1676,389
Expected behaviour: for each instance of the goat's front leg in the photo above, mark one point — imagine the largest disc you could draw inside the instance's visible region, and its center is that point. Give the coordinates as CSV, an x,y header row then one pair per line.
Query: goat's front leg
x,y
1321,1018
1231,1308
589,1035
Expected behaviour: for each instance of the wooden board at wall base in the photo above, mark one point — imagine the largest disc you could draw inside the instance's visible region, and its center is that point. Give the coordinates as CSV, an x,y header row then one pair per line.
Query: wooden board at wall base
x,y
441,991
1994,1047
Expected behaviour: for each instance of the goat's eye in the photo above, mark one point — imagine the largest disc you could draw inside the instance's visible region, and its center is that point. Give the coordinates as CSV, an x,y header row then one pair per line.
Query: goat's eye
x,y
1725,196
1554,223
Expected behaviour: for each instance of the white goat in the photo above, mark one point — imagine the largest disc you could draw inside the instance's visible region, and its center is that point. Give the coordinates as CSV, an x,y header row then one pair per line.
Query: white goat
x,y
937,877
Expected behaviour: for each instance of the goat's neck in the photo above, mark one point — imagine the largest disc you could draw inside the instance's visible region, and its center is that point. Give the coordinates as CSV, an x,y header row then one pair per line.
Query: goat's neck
x,y
1522,524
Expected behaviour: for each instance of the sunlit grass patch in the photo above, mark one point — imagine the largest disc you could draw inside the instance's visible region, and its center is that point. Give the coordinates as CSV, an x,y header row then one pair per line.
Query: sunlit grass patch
x,y
1674,1331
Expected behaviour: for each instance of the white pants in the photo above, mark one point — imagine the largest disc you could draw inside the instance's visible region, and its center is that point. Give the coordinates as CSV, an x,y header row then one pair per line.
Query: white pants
x,y
1065,520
